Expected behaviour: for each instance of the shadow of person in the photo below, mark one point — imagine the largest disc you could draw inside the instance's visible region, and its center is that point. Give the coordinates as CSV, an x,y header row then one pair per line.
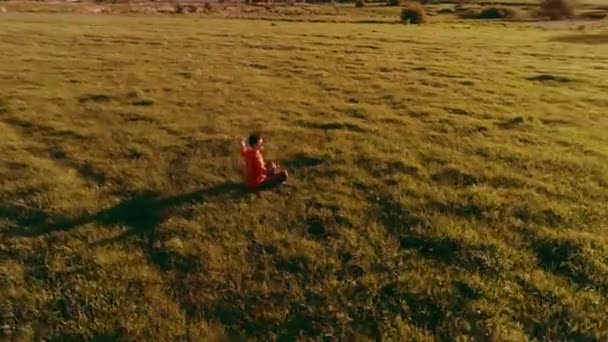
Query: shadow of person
x,y
141,213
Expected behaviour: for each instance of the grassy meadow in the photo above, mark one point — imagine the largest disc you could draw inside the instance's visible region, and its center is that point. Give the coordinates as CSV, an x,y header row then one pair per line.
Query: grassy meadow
x,y
448,182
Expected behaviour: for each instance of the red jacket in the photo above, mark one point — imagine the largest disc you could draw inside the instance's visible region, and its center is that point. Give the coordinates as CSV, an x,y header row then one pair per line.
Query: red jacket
x,y
254,166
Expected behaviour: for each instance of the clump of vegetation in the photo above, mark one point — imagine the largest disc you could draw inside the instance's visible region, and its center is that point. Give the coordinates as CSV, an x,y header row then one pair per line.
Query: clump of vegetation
x,y
446,11
497,13
393,3
488,13
558,9
185,9
359,3
413,14
143,102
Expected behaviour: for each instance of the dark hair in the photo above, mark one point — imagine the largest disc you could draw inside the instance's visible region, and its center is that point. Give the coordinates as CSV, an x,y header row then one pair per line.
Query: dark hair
x,y
253,139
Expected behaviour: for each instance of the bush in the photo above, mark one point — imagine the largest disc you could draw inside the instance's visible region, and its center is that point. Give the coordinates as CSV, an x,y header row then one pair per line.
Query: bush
x,y
393,3
487,13
558,9
497,13
413,14
185,9
359,3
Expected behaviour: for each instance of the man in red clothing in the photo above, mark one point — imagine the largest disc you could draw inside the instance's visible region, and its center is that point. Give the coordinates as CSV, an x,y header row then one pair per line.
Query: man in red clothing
x,y
260,175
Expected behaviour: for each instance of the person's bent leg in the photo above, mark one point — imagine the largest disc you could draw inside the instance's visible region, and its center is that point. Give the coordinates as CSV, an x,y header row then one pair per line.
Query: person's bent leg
x,y
277,179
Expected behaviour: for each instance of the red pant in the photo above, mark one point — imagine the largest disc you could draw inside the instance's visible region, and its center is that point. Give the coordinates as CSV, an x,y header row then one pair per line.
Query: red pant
x,y
274,176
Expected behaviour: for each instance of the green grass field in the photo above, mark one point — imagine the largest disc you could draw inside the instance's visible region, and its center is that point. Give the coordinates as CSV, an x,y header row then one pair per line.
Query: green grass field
x,y
448,182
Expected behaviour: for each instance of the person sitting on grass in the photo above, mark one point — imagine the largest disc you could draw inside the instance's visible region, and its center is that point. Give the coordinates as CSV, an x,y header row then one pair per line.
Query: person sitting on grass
x,y
259,174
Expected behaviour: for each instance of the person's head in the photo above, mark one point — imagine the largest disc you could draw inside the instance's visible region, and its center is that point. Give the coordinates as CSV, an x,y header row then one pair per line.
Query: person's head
x,y
255,141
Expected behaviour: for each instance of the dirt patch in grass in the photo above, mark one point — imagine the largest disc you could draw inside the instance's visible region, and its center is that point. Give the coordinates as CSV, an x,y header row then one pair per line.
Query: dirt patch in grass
x,y
95,98
512,123
143,102
455,177
335,126
301,161
550,78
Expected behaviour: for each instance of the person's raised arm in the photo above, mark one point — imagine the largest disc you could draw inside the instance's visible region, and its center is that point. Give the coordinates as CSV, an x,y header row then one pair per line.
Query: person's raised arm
x,y
243,145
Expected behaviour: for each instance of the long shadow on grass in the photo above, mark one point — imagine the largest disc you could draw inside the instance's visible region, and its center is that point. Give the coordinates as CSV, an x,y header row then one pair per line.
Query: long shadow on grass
x,y
590,39
141,213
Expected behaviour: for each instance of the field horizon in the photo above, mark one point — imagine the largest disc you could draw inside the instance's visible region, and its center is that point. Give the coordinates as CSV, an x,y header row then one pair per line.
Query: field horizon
x,y
447,181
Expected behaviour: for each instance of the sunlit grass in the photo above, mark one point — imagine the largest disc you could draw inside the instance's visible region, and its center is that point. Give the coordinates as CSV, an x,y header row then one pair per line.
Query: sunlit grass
x,y
447,180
